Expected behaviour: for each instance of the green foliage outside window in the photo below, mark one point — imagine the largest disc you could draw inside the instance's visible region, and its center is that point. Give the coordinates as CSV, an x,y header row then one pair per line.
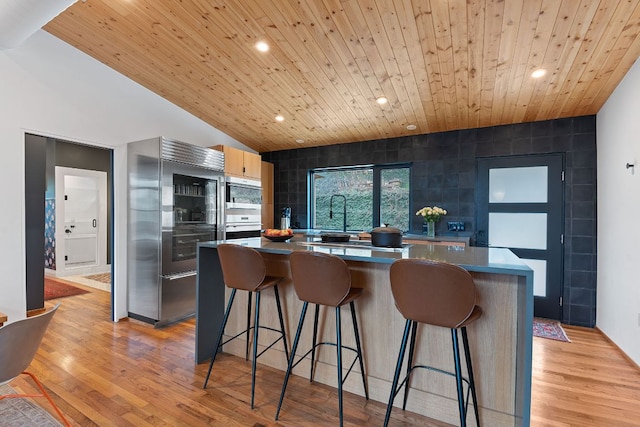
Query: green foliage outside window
x,y
356,185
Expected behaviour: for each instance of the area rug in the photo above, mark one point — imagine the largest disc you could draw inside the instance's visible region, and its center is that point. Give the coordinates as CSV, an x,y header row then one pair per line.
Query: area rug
x,y
551,329
102,278
17,412
54,289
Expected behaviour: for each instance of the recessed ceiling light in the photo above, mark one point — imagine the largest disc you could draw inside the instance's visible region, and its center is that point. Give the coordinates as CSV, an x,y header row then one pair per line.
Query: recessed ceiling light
x,y
538,73
299,141
411,127
279,118
382,100
262,46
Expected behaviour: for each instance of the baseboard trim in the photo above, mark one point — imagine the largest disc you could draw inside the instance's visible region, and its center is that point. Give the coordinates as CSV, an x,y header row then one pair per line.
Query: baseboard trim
x,y
36,311
625,355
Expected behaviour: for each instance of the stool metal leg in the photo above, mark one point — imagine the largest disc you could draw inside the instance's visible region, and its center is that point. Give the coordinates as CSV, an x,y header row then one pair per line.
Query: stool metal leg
x,y
472,383
456,357
396,375
315,340
339,359
246,352
217,346
412,347
296,340
256,328
284,335
359,348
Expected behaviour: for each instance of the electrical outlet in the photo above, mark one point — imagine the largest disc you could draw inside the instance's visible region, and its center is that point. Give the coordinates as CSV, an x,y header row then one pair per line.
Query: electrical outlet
x,y
455,226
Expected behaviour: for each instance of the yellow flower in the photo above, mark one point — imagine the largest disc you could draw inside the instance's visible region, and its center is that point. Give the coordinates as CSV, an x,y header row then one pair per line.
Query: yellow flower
x,y
431,213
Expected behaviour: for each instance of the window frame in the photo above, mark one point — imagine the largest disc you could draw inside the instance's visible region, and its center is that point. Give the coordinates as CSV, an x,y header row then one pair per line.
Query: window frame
x,y
377,181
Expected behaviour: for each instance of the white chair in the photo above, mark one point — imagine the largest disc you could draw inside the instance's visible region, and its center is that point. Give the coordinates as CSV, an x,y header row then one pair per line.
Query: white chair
x,y
19,342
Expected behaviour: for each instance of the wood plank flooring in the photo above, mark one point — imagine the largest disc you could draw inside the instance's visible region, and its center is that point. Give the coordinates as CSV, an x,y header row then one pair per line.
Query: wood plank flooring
x,y
128,374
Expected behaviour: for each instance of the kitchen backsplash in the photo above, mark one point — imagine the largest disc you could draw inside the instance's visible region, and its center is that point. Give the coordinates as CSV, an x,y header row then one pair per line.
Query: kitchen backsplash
x,y
444,174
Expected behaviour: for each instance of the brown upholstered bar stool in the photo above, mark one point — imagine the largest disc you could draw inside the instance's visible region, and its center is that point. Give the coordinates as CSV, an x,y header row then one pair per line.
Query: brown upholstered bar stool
x,y
438,294
243,268
324,279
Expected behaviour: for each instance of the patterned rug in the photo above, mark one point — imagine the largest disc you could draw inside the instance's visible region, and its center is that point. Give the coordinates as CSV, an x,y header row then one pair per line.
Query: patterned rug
x,y
23,412
551,329
54,289
102,278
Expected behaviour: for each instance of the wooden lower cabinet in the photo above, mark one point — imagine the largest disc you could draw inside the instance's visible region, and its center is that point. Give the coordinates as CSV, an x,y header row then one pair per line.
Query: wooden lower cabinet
x,y
444,241
435,242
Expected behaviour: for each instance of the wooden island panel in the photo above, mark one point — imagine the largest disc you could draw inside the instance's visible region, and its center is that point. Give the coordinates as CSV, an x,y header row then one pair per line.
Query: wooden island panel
x,y
492,339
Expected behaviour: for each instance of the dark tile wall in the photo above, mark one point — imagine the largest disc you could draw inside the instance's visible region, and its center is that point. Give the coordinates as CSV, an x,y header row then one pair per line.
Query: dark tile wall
x,y
444,174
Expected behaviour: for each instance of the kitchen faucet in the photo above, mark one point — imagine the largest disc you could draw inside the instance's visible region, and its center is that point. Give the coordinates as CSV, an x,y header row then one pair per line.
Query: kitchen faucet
x,y
344,210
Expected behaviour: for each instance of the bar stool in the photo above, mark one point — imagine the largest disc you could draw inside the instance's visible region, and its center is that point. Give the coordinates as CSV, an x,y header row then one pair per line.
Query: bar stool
x,y
243,269
438,294
324,279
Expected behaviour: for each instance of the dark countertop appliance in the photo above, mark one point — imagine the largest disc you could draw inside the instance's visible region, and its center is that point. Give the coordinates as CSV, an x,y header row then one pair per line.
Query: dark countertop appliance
x,y
334,237
388,237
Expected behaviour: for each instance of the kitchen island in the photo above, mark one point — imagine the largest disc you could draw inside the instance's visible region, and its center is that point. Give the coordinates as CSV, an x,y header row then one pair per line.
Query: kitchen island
x,y
501,340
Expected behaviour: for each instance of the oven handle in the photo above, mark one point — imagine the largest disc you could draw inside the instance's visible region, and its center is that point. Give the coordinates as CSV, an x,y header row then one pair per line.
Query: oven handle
x,y
250,206
177,276
246,226
242,182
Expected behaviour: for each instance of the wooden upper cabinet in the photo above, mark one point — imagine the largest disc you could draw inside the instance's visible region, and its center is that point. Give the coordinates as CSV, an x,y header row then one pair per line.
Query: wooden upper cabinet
x,y
240,163
252,165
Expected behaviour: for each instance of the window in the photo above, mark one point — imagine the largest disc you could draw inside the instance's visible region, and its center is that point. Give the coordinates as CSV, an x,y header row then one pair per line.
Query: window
x,y
369,195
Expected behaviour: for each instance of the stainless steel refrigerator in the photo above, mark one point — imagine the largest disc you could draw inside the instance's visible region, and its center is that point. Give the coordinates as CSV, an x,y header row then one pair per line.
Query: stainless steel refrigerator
x,y
176,199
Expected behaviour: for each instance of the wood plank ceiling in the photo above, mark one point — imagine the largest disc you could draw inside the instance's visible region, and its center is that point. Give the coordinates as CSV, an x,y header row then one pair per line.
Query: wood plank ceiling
x,y
442,64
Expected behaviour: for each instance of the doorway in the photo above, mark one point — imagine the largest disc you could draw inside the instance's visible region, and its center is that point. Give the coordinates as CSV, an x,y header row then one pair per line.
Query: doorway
x,y
520,207
81,221
42,155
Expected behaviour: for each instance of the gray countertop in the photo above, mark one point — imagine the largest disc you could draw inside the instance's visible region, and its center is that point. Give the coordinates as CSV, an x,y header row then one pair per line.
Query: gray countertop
x,y
485,260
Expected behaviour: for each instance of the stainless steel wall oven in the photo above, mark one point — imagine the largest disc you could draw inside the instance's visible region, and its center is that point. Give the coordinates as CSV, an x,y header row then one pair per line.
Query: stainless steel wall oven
x,y
243,208
175,201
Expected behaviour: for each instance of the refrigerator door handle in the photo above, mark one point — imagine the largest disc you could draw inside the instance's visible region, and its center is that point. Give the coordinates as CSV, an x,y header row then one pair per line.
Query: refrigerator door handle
x,y
177,276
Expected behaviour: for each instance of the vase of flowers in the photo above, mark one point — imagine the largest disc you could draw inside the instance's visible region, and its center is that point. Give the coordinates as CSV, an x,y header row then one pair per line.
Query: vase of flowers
x,y
430,216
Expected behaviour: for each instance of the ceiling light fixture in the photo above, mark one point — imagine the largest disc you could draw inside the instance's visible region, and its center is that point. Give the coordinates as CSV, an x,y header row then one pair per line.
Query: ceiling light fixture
x,y
279,118
538,73
411,127
299,141
262,46
382,100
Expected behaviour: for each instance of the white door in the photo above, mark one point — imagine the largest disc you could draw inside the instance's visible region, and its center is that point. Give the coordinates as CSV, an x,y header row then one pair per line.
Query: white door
x,y
80,221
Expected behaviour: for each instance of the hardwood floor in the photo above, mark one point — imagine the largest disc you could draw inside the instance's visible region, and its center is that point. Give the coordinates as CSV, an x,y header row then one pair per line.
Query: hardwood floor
x,y
129,374
587,382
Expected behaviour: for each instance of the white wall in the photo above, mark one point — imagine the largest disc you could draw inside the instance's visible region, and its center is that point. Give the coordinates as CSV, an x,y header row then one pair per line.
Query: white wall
x,y
52,89
618,139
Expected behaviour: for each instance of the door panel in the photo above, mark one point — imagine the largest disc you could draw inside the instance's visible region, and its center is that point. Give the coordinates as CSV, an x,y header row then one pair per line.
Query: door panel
x,y
518,185
506,230
81,215
520,207
81,250
81,211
